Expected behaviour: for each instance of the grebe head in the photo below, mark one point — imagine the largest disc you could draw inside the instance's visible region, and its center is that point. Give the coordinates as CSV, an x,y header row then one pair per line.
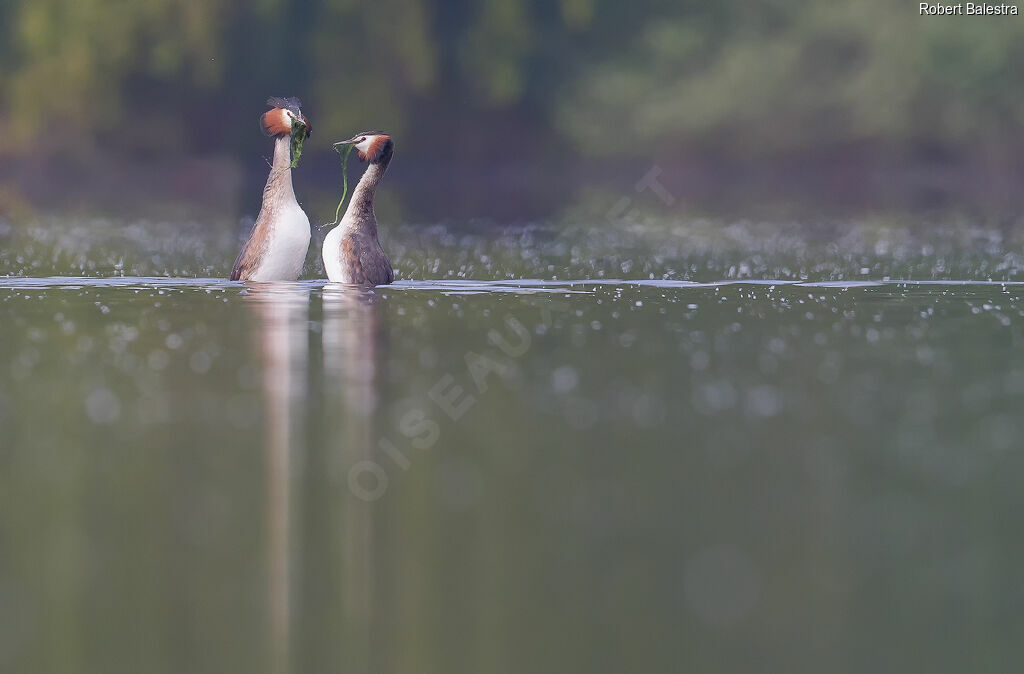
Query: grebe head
x,y
285,118
373,146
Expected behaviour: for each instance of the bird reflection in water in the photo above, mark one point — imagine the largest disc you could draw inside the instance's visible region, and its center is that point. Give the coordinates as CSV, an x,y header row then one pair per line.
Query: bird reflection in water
x,y
353,342
319,532
281,312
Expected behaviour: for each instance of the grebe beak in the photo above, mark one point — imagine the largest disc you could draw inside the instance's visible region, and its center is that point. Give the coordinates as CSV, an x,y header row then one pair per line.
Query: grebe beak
x,y
350,141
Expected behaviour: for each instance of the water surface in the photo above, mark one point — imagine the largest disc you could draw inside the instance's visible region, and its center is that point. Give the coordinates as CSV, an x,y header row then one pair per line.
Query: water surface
x,y
683,446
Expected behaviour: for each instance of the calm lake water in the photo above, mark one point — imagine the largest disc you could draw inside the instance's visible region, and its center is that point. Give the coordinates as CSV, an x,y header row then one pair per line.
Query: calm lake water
x,y
665,445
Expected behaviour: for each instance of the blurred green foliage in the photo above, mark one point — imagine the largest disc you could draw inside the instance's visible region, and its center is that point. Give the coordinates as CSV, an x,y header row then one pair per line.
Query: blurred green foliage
x,y
593,76
777,76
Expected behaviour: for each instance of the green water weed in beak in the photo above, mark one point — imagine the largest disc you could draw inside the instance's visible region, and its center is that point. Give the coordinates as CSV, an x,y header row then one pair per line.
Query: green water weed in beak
x,y
298,138
344,178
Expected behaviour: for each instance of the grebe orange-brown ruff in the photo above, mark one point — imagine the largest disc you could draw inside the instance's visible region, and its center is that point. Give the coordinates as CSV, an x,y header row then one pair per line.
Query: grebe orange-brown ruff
x,y
276,249
352,252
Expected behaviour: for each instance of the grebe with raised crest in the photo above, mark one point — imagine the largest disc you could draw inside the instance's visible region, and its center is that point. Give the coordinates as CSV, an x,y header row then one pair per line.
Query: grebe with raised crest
x,y
352,253
277,245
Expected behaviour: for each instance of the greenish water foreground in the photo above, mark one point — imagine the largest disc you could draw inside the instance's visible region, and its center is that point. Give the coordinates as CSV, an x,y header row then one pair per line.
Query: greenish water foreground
x,y
792,465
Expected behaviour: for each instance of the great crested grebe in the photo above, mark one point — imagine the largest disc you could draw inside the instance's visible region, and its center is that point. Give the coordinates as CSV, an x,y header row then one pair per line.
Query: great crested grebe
x,y
352,253
276,249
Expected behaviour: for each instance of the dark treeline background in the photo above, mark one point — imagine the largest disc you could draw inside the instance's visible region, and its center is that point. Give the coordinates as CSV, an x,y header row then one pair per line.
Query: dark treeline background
x,y
513,80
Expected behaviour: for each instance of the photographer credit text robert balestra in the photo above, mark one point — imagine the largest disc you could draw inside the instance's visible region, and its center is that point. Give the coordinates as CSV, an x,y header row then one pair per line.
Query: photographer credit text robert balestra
x,y
967,9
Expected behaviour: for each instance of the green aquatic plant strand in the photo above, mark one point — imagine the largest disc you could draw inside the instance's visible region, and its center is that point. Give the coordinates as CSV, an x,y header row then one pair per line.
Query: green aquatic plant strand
x,y
298,138
344,179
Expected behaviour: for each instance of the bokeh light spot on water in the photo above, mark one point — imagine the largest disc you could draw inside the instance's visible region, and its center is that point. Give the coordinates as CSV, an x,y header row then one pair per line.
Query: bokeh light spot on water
x,y
102,406
564,379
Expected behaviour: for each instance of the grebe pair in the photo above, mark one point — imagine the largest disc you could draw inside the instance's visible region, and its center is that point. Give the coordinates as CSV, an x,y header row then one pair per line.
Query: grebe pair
x,y
276,249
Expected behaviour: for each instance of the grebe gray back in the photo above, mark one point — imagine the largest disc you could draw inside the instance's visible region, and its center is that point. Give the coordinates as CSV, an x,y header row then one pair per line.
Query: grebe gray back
x,y
352,252
276,249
